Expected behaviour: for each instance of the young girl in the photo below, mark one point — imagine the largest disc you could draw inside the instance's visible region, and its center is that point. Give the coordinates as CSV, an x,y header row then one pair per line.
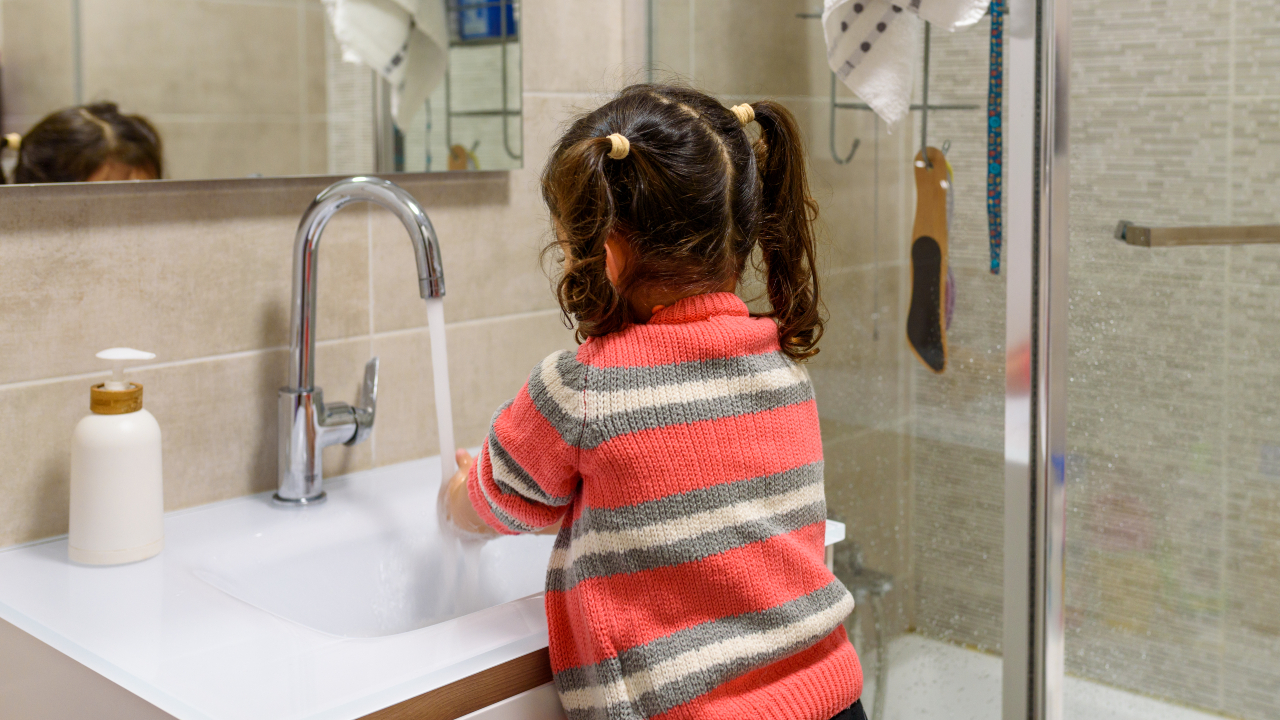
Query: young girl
x,y
678,448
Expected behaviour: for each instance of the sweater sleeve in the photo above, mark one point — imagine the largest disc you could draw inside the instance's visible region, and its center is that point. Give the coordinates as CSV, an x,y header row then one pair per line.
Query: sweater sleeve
x,y
527,471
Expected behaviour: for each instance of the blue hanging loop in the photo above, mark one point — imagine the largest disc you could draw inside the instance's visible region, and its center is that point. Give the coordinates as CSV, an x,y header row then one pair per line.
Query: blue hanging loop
x,y
995,135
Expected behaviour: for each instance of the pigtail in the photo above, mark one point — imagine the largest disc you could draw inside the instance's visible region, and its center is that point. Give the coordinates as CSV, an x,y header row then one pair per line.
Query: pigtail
x,y
576,188
785,233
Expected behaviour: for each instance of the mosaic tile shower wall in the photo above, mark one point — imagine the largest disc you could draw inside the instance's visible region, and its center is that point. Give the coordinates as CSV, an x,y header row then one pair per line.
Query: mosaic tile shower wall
x,y
1174,471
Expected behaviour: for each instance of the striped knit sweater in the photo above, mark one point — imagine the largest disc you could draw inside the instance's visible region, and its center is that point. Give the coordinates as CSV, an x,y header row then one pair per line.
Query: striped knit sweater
x,y
687,580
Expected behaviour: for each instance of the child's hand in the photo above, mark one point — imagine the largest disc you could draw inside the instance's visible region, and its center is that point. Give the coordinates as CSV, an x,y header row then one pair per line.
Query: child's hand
x,y
453,506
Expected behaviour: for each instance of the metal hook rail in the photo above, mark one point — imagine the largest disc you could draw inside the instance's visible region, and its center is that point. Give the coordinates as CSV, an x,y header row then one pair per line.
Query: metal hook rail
x,y
925,107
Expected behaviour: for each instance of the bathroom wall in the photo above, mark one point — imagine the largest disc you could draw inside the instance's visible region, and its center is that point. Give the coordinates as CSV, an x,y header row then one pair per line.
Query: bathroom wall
x,y
747,50
198,272
235,88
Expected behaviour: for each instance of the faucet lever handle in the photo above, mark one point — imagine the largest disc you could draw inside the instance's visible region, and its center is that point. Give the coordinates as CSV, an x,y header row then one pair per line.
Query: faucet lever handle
x,y
367,406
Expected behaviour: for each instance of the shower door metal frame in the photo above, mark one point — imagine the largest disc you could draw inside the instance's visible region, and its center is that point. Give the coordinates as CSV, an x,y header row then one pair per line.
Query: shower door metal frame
x,y
1036,355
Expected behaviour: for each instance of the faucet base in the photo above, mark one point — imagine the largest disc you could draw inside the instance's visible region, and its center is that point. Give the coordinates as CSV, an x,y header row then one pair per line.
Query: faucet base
x,y
298,502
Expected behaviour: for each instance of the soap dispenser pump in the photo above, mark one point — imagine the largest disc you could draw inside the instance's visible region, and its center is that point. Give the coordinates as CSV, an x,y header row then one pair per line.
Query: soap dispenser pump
x,y
117,486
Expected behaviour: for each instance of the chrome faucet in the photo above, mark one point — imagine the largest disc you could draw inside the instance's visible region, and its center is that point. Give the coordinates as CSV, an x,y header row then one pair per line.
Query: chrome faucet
x,y
307,424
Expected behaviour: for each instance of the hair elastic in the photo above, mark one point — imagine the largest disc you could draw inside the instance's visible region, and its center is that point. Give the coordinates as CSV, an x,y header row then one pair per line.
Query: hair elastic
x,y
621,146
744,112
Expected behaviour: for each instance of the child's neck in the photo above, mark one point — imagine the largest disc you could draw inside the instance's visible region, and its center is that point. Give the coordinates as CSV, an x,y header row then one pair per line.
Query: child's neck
x,y
646,304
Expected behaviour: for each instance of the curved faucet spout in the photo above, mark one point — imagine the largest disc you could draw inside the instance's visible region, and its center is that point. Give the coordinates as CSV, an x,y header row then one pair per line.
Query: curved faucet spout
x,y
307,424
426,250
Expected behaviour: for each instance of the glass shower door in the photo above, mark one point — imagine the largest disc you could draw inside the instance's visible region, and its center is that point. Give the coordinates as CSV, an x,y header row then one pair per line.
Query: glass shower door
x,y
1173,397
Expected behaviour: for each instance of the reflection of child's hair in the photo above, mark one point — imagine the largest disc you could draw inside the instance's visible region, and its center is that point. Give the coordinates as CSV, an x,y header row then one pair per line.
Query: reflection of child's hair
x,y
693,197
69,145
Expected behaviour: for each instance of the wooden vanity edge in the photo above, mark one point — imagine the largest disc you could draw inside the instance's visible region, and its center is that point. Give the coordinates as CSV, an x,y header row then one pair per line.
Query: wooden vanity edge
x,y
473,692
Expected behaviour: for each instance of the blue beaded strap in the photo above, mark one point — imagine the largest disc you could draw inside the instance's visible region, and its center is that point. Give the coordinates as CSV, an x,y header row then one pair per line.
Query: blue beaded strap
x,y
995,137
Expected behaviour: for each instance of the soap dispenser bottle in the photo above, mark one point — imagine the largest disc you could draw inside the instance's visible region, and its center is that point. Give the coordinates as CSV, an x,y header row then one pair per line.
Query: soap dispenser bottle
x,y
117,500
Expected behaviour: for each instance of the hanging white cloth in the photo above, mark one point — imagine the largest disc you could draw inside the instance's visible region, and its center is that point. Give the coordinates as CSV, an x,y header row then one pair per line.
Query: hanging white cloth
x,y
871,44
405,41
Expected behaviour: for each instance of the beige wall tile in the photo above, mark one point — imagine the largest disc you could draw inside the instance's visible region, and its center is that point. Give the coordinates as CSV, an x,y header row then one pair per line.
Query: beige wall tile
x,y
314,148
488,363
243,59
572,45
315,27
198,148
218,420
37,423
181,272
673,53
491,229
758,47
38,72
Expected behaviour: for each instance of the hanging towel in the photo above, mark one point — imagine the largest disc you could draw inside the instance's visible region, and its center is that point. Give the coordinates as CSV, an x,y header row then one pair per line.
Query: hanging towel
x,y
871,44
405,41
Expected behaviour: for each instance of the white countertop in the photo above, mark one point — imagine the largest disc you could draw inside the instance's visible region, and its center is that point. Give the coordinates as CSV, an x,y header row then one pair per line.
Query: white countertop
x,y
162,632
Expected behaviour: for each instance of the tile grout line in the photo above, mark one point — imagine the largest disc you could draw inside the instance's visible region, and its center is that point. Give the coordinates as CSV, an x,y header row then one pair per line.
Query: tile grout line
x,y
242,354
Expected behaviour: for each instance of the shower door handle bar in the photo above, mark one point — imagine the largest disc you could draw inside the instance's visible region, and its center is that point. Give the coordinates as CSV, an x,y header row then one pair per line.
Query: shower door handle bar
x,y
1142,236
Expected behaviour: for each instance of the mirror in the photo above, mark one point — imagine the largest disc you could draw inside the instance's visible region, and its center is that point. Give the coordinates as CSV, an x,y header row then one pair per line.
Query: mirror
x,y
267,88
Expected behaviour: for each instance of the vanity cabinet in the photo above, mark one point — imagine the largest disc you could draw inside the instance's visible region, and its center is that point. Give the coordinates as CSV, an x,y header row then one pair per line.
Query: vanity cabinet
x,y
38,682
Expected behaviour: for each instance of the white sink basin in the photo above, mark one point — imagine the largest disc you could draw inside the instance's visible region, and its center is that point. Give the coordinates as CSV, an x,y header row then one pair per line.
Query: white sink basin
x,y
371,562
257,612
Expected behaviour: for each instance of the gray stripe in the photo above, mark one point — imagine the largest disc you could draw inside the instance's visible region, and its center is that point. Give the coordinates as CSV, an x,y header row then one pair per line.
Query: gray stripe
x,y
683,551
633,517
663,698
651,418
609,379
525,486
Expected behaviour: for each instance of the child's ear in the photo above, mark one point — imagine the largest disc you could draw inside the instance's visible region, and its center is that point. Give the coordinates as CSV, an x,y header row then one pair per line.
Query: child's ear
x,y
616,256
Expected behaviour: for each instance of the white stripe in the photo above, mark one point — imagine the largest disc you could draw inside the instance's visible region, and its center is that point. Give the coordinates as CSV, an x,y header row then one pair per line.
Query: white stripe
x,y
601,403
497,510
680,666
689,526
567,399
502,471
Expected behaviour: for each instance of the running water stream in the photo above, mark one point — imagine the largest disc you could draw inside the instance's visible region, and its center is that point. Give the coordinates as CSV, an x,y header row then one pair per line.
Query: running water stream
x,y
459,581
444,402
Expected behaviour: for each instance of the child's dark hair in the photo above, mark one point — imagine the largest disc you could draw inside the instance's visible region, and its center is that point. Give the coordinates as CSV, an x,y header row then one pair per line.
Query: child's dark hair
x,y
71,144
693,198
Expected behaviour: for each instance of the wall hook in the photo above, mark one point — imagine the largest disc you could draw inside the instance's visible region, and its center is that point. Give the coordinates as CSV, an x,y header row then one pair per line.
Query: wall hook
x,y
831,133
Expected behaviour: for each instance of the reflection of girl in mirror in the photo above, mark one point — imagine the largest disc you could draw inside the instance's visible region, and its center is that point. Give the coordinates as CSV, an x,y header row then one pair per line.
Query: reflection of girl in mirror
x,y
89,143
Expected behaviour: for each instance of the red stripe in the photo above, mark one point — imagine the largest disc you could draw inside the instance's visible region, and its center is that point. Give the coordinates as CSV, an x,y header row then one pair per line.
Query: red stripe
x,y
648,345
814,684
652,464
535,445
658,602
